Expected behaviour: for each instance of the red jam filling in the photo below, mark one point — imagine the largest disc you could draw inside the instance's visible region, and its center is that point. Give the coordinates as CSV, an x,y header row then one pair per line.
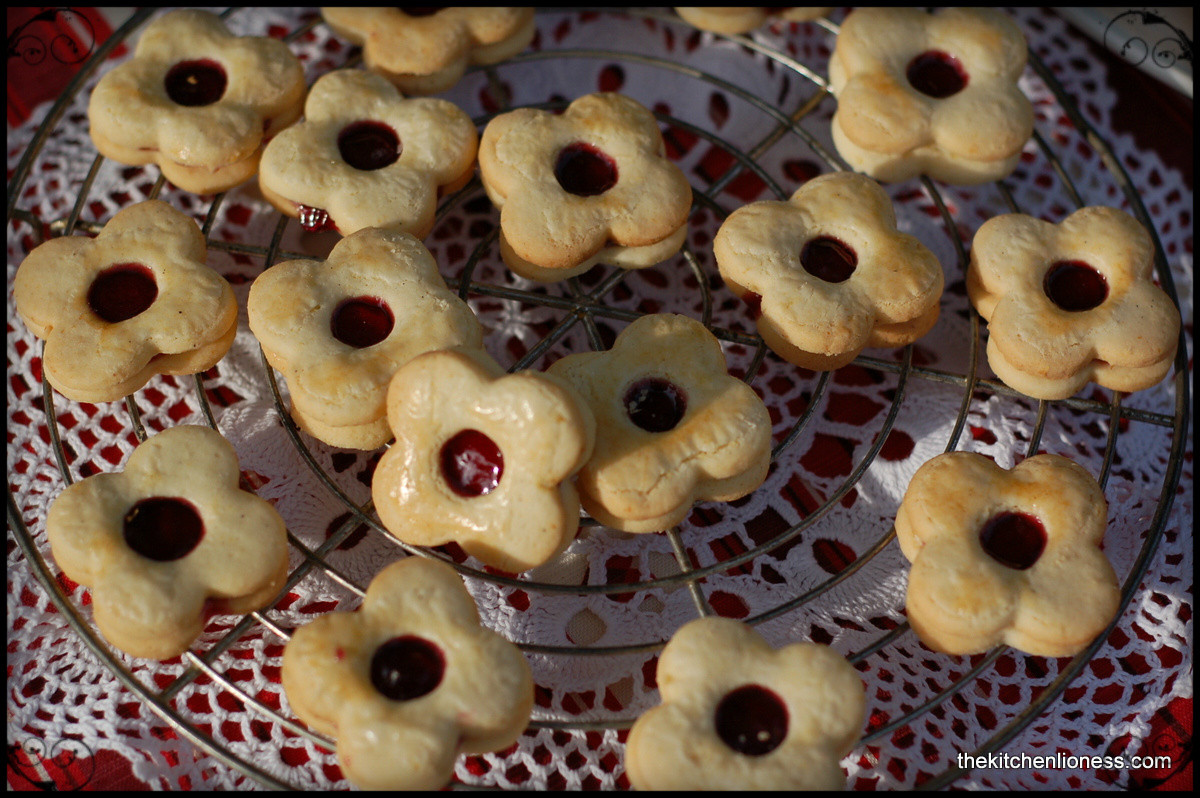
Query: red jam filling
x,y
314,220
368,145
163,528
936,74
195,83
361,321
424,11
1015,540
472,463
1074,285
583,170
828,259
122,291
753,301
655,404
407,667
752,720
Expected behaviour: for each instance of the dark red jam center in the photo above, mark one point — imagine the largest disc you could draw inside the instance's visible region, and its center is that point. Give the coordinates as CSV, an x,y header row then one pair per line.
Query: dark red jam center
x,y
936,74
163,529
1015,540
368,145
752,720
472,463
407,667
194,83
828,259
583,170
362,321
424,11
655,405
753,301
1074,285
314,220
122,291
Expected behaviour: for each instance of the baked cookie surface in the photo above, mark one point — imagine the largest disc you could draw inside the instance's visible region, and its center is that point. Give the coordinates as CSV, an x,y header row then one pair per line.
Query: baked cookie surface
x,y
1006,556
197,101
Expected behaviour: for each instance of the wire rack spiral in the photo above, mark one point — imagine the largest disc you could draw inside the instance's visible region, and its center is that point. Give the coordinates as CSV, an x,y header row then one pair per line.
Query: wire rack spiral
x,y
742,161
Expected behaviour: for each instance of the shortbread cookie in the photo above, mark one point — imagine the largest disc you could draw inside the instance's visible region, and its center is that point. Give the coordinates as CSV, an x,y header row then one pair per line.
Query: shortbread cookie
x,y
1071,303
590,185
135,301
427,50
673,426
169,542
933,94
339,329
483,458
738,715
730,19
197,100
366,156
1006,556
827,273
409,681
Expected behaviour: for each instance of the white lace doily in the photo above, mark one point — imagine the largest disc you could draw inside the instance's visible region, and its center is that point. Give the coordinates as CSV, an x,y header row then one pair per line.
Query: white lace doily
x,y
835,485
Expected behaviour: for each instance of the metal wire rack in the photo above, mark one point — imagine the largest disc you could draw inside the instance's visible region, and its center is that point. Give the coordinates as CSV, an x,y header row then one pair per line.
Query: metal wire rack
x,y
583,304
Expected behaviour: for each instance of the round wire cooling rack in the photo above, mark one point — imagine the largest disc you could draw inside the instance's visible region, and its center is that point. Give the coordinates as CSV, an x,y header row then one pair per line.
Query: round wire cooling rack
x,y
809,556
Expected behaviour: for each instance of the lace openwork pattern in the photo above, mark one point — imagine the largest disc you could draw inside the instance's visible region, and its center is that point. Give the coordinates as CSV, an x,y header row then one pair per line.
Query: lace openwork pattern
x,y
808,556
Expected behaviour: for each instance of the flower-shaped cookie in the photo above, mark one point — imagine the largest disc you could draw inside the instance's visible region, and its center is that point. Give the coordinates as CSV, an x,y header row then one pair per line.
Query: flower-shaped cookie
x,y
409,681
739,715
743,19
427,50
339,329
483,458
365,156
932,94
1072,303
828,273
135,301
673,426
1006,556
590,185
197,100
169,542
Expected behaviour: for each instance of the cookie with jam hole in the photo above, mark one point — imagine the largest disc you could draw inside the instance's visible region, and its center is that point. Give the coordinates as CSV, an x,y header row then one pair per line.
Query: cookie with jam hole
x,y
1006,556
827,273
737,714
932,94
168,542
367,156
674,427
338,329
1072,303
197,100
409,681
590,185
483,458
136,301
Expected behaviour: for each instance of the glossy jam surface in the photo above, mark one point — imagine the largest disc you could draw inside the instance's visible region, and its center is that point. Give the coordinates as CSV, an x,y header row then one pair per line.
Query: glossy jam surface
x,y
368,145
472,463
751,720
122,291
655,404
407,667
936,74
362,321
828,259
583,170
195,83
1074,286
314,220
1015,540
163,528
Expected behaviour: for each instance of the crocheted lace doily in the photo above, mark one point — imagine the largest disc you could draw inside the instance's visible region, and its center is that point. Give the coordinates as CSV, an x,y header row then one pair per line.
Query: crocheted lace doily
x,y
834,487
